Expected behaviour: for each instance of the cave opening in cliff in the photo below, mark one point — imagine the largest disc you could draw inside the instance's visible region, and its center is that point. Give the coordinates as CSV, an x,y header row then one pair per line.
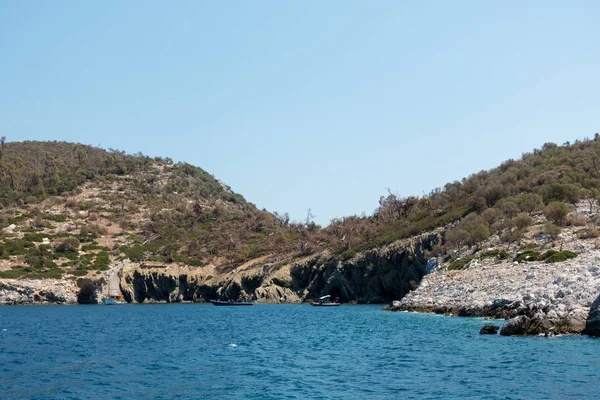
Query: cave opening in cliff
x,y
336,292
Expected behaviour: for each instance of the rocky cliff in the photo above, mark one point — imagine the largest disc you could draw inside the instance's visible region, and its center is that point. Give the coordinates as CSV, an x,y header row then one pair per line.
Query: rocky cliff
x,y
374,276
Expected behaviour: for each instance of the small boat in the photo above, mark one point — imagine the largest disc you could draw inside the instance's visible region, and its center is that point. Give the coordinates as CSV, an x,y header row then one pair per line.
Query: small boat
x,y
113,300
325,301
231,303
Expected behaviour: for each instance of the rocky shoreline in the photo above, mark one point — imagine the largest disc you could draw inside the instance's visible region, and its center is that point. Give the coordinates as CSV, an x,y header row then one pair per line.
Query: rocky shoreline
x,y
538,298
35,291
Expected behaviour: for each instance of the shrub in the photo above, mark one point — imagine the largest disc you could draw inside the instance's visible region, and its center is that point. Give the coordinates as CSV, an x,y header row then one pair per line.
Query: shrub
x,y
33,237
579,220
11,274
512,236
17,247
93,246
558,256
588,233
527,256
557,212
551,230
459,264
528,246
497,253
68,245
55,217
101,262
37,222
135,253
522,221
456,237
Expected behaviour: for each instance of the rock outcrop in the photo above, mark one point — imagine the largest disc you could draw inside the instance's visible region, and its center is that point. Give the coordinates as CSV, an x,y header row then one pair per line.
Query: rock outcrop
x,y
48,291
592,326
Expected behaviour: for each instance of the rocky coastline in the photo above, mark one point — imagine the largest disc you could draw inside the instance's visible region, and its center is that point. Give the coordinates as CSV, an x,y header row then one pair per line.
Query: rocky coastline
x,y
537,298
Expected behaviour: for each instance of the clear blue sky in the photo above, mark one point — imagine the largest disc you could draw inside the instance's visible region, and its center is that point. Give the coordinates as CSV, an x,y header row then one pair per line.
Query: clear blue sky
x,y
305,104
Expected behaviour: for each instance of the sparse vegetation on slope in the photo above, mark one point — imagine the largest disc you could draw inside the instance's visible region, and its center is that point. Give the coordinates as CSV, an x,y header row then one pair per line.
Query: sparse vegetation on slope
x,y
71,208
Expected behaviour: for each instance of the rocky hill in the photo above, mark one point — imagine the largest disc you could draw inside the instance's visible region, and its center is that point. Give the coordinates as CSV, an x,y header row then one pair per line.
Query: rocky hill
x,y
78,221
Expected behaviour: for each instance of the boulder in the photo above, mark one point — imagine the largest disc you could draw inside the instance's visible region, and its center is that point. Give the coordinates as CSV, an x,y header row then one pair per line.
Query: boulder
x,y
516,326
489,330
497,303
592,324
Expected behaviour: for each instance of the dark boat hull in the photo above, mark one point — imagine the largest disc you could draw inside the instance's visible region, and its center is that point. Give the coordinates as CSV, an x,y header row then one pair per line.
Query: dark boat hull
x,y
230,303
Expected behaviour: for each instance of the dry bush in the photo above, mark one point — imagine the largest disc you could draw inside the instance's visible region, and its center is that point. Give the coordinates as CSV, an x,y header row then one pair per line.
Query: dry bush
x,y
72,203
93,217
579,220
588,233
97,230
34,209
37,222
597,244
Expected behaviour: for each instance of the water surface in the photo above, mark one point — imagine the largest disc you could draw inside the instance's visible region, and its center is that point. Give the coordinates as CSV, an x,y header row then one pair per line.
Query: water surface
x,y
279,352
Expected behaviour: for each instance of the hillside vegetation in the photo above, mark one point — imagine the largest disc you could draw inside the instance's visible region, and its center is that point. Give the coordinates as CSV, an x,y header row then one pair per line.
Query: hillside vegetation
x,y
70,209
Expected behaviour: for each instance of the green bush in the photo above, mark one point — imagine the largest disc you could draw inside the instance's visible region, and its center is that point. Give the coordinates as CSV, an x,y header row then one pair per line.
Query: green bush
x,y
17,247
459,264
93,246
101,262
33,237
527,256
135,253
68,245
500,254
11,274
55,217
552,256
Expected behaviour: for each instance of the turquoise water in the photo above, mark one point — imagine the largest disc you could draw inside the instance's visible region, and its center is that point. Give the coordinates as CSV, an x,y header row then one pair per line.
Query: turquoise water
x,y
189,351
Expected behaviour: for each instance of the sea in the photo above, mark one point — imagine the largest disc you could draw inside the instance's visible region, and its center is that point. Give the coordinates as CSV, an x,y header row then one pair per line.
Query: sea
x,y
199,351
